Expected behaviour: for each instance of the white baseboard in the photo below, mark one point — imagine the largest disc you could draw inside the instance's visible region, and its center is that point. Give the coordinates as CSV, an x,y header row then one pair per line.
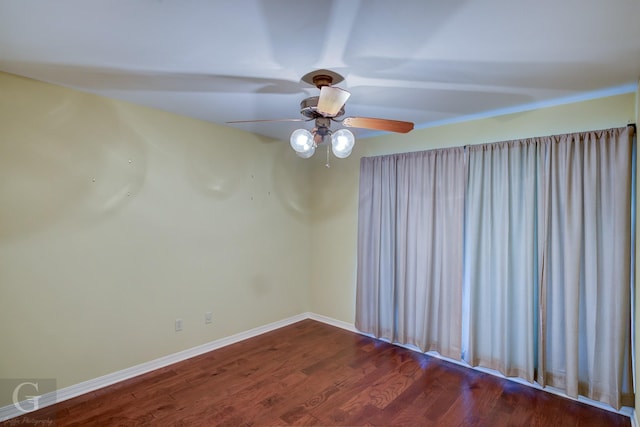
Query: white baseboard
x,y
333,322
12,411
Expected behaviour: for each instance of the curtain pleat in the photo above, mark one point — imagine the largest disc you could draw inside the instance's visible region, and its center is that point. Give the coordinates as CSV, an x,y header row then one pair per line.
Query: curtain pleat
x,y
409,280
500,257
587,290
375,294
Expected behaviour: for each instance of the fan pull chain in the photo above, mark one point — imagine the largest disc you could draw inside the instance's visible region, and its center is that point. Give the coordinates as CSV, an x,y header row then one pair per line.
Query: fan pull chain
x,y
327,165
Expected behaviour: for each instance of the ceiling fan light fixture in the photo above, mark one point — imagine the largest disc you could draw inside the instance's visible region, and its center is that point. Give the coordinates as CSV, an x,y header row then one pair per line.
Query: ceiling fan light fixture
x,y
302,141
308,153
342,142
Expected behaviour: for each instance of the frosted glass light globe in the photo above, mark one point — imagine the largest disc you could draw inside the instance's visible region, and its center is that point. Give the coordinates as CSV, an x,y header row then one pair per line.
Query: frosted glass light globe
x,y
301,140
308,153
342,142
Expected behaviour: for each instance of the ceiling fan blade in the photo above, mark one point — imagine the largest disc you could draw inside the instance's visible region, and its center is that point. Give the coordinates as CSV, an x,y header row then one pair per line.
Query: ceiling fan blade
x,y
269,120
331,100
378,124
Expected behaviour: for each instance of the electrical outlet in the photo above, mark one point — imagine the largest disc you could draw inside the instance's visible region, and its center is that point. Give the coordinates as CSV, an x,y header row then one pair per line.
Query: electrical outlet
x,y
178,325
208,316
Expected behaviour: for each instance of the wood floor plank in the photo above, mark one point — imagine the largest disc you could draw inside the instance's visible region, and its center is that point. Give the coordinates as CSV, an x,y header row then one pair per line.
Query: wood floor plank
x,y
310,373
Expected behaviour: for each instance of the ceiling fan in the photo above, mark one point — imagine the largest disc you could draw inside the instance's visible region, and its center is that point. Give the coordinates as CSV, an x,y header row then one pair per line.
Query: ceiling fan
x,y
324,109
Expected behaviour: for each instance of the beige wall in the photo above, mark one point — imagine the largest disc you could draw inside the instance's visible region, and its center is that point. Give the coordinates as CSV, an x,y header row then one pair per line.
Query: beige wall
x,y
117,219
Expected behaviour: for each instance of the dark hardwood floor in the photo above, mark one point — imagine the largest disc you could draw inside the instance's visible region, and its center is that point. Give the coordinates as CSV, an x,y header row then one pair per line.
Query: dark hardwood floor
x,y
310,373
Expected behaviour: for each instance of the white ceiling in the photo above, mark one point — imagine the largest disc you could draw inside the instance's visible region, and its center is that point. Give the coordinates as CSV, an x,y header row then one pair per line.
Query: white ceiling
x,y
425,61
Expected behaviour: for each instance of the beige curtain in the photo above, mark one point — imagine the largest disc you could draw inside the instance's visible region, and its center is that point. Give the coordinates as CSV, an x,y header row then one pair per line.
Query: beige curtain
x,y
501,257
586,258
547,257
409,279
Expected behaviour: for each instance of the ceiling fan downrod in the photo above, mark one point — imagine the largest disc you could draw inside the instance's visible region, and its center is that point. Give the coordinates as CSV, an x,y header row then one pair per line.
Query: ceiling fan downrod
x,y
320,80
